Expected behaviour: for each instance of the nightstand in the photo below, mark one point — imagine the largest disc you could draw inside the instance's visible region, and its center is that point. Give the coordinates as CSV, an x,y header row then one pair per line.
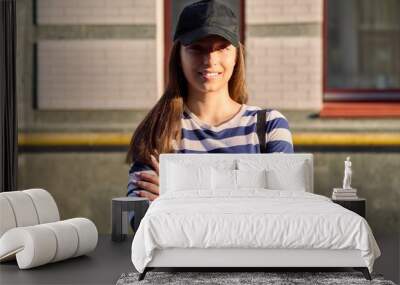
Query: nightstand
x,y
358,206
119,219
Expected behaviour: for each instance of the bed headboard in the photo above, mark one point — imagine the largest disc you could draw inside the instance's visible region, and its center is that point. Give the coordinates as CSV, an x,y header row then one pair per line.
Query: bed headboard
x,y
277,161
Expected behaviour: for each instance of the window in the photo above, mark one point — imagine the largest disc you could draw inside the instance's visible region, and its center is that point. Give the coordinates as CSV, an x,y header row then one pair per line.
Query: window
x,y
362,51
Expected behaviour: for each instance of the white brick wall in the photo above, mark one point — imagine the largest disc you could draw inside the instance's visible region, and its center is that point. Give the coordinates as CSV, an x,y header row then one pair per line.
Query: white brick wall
x,y
97,74
284,72
96,11
283,11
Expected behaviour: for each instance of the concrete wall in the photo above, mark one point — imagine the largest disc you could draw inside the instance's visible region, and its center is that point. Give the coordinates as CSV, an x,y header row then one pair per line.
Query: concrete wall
x,y
83,184
376,176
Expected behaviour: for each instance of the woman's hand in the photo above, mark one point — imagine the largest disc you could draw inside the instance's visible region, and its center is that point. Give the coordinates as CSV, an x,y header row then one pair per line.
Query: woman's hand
x,y
149,182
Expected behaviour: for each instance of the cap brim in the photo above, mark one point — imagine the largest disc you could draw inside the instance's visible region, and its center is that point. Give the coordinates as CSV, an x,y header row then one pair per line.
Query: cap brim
x,y
193,36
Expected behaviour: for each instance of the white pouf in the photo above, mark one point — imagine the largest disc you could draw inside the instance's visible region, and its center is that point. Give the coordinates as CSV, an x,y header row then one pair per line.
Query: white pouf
x,y
7,220
32,233
40,244
46,207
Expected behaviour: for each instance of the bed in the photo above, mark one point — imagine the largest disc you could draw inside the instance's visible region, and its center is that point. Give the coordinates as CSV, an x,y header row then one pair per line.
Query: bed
x,y
246,211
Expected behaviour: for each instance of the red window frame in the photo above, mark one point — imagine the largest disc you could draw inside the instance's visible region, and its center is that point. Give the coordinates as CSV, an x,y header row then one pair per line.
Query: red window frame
x,y
342,102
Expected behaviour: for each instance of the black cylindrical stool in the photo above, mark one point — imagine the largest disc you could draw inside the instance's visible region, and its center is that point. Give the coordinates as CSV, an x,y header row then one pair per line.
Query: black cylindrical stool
x,y
119,215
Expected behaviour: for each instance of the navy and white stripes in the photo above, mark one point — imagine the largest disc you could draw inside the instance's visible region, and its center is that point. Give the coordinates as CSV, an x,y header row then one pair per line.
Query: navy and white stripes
x,y
238,135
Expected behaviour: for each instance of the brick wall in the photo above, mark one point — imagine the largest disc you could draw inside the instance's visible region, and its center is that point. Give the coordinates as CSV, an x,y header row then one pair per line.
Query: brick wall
x,y
82,64
283,11
96,74
284,53
96,12
283,48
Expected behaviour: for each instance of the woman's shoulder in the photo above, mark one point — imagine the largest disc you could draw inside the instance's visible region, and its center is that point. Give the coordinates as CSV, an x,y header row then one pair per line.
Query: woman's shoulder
x,y
277,131
271,113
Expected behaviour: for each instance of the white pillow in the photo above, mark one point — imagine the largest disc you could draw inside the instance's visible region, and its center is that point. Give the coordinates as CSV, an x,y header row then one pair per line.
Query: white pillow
x,y
293,179
223,179
229,179
251,178
183,177
284,174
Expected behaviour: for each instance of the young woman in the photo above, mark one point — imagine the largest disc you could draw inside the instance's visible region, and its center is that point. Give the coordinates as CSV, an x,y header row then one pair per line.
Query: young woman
x,y
203,108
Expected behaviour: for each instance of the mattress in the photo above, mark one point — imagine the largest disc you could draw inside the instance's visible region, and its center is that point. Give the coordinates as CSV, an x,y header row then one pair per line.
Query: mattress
x,y
250,219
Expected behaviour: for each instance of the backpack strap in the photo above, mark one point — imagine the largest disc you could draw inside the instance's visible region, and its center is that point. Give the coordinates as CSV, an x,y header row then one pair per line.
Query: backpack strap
x,y
261,117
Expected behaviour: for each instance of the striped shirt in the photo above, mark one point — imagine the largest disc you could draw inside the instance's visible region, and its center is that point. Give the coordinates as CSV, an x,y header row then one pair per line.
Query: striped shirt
x,y
237,135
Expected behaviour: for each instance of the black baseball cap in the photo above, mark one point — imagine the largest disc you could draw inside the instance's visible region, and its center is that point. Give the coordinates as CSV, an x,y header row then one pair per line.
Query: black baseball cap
x,y
207,17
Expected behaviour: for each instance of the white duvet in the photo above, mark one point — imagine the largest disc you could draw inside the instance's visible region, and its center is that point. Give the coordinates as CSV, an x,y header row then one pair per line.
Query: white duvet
x,y
250,219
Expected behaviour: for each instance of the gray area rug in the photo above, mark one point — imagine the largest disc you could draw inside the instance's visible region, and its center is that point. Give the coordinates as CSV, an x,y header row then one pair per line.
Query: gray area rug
x,y
225,278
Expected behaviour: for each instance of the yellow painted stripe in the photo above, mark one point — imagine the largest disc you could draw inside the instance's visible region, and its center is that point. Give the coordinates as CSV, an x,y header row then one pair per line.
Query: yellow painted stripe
x,y
347,139
73,139
299,138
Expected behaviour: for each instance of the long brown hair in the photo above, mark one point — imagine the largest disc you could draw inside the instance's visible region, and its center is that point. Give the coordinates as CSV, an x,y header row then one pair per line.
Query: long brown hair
x,y
155,134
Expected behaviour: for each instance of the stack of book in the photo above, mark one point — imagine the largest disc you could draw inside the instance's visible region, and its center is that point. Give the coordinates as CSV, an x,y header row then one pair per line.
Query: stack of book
x,y
344,194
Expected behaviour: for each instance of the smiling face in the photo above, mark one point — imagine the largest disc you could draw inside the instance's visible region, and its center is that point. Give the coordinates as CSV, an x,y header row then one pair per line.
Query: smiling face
x,y
208,64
